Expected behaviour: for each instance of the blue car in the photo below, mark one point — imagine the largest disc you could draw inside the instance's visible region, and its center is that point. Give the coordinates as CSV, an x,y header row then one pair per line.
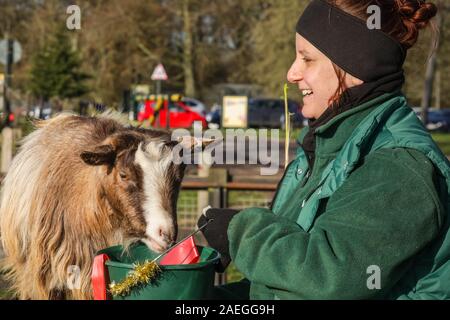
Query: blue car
x,y
438,119
269,113
213,118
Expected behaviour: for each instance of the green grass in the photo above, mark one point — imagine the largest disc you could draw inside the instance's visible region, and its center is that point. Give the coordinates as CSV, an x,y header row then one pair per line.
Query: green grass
x,y
5,293
443,141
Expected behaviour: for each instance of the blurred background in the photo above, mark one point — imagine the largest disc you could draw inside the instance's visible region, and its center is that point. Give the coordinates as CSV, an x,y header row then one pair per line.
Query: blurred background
x,y
208,49
170,63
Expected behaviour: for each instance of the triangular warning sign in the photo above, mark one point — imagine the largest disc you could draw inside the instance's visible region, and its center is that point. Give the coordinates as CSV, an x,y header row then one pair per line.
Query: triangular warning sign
x,y
160,73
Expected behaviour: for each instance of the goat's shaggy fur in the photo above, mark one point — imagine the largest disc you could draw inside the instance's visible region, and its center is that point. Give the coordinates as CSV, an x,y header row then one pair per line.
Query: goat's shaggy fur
x,y
53,213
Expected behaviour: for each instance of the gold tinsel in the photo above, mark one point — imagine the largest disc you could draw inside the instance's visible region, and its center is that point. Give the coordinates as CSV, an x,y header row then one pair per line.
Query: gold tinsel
x,y
142,274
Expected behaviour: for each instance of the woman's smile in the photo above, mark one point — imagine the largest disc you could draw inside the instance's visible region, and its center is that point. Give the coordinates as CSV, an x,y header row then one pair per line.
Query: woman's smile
x,y
306,92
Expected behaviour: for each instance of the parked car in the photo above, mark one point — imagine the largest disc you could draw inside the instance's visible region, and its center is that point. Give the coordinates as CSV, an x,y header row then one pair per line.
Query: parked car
x,y
270,113
181,116
438,119
214,117
195,105
41,111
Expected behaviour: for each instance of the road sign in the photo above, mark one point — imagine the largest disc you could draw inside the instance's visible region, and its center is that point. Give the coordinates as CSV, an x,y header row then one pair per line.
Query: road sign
x,y
4,51
160,73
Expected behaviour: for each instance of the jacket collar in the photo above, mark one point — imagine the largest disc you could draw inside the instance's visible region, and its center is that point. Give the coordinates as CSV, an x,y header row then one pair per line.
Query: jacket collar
x,y
331,137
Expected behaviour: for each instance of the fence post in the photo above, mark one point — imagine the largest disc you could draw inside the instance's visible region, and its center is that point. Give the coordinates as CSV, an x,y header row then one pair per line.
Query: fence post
x,y
7,148
217,200
203,172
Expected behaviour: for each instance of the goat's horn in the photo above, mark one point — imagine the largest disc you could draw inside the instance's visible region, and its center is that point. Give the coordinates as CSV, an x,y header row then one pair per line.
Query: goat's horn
x,y
192,142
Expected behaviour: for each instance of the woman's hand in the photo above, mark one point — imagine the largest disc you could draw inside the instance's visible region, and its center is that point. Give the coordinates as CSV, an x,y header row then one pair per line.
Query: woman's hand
x,y
216,232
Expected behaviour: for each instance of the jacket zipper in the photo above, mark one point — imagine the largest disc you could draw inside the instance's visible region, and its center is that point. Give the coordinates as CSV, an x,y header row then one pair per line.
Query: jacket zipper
x,y
310,194
305,180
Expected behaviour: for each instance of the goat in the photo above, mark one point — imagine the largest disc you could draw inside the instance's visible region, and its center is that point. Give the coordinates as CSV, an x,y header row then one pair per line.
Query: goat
x,y
78,185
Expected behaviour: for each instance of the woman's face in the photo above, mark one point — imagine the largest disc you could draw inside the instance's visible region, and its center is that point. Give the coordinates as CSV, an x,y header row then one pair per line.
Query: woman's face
x,y
316,78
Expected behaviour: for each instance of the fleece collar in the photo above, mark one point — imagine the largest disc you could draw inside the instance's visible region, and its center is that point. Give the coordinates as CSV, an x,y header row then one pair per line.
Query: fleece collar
x,y
331,137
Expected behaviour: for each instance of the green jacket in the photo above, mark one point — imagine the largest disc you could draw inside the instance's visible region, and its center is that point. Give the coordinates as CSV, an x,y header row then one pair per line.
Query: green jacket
x,y
377,196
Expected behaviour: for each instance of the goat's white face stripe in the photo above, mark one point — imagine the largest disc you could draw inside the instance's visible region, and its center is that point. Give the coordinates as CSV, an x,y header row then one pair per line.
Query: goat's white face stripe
x,y
154,169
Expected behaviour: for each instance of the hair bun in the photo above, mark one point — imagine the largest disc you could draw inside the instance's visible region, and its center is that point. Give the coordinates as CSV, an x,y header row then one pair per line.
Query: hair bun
x,y
417,12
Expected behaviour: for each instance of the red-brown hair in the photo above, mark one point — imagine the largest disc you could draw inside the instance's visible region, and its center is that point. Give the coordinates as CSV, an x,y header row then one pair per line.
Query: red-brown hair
x,y
401,19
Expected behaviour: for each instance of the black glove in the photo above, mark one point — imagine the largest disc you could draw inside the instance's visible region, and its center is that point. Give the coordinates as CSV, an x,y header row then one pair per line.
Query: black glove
x,y
216,232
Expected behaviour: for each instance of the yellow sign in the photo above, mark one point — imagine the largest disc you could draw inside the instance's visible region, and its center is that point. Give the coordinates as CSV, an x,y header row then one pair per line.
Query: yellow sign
x,y
143,89
235,112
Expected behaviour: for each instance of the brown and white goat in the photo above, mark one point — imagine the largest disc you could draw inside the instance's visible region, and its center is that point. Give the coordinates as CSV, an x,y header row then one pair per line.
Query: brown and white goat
x,y
78,185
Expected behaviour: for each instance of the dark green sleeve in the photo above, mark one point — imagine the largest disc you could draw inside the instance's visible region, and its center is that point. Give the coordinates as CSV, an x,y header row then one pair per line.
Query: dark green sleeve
x,y
385,213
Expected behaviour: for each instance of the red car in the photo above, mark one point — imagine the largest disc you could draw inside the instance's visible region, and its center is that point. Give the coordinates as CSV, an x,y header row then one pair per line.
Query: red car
x,y
181,116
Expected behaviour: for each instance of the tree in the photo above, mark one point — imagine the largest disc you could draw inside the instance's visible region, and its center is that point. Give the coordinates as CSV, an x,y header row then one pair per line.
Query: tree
x,y
207,43
13,25
124,40
55,70
212,41
431,71
443,69
274,44
188,59
13,15
419,65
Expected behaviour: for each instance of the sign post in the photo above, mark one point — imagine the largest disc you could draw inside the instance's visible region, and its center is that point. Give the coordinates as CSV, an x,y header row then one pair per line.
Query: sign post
x,y
10,53
159,74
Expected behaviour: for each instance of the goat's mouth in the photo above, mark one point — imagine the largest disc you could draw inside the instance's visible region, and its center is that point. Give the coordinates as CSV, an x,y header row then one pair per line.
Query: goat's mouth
x,y
154,245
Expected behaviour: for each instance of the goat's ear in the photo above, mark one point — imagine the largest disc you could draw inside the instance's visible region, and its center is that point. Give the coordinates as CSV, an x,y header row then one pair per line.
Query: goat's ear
x,y
207,142
101,155
189,142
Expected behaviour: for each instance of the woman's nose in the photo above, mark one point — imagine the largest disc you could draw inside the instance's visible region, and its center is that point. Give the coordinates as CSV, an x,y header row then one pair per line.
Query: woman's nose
x,y
294,74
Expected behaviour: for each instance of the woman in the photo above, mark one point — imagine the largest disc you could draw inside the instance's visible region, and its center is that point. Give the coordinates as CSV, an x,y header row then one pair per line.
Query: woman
x,y
362,212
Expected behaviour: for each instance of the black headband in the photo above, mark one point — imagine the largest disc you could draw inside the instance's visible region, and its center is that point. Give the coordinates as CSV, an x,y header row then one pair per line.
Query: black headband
x,y
349,43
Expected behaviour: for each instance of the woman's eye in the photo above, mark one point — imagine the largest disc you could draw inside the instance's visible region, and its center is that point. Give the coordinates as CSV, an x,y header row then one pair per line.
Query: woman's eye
x,y
306,59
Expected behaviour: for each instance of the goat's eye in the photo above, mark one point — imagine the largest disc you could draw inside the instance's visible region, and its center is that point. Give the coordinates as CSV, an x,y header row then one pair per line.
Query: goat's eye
x,y
123,175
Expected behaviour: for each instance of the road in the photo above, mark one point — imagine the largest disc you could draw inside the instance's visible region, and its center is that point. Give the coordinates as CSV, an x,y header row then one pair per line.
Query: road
x,y
252,152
